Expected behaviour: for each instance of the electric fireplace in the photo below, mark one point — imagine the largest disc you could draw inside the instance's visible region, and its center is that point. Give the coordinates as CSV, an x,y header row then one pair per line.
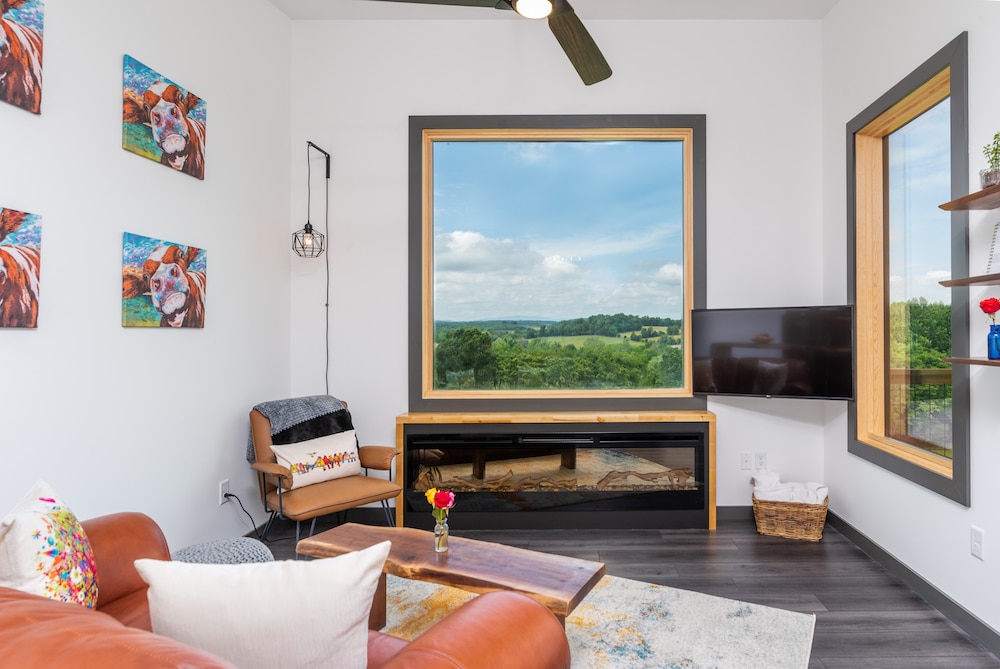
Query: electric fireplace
x,y
560,475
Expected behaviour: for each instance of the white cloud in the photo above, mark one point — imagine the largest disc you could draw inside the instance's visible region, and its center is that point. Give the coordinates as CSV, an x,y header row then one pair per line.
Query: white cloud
x,y
590,246
477,277
671,273
559,265
461,251
530,152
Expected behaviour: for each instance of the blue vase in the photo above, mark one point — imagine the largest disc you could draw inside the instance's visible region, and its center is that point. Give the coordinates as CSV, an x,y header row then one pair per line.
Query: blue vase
x,y
993,343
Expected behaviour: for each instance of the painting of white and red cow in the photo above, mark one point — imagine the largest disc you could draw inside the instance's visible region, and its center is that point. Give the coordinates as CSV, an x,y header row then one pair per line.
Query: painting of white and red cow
x,y
21,53
161,120
163,283
20,261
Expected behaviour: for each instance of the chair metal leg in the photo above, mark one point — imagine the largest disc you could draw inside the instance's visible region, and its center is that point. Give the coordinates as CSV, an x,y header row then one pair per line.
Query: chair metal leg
x,y
388,513
267,527
312,528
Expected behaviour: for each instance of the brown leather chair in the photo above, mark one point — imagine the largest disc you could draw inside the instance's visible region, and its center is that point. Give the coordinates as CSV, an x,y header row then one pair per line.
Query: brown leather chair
x,y
320,499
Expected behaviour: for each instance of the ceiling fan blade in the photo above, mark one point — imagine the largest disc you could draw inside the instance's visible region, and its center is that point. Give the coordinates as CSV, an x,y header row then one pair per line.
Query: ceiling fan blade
x,y
496,4
579,46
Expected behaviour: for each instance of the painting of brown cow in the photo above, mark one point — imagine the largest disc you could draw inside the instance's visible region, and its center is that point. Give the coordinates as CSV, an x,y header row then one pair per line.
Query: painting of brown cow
x,y
162,121
21,53
20,261
163,283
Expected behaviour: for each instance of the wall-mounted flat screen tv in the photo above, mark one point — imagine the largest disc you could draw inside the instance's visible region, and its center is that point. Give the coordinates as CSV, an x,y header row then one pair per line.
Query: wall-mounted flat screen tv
x,y
803,352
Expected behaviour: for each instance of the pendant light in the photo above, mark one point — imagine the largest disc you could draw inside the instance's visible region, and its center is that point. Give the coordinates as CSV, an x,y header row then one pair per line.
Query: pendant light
x,y
307,242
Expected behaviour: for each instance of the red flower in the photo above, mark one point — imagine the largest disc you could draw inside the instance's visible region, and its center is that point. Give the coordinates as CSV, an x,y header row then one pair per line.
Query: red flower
x,y
990,307
444,499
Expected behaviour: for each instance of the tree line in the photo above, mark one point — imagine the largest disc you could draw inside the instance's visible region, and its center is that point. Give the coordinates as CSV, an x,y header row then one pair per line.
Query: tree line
x,y
919,337
514,355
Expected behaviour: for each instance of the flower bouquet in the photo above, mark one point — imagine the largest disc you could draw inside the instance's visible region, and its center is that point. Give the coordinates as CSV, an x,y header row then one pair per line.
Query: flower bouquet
x,y
990,307
441,502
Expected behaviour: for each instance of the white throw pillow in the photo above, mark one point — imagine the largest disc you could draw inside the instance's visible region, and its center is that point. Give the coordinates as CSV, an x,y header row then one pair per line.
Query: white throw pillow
x,y
44,550
321,459
287,613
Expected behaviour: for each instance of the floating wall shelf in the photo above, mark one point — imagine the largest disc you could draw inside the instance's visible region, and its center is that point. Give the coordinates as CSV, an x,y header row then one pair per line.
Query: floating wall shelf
x,y
973,361
988,198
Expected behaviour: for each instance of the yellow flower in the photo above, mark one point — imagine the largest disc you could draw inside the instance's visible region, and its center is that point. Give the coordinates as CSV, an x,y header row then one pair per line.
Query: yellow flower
x,y
430,495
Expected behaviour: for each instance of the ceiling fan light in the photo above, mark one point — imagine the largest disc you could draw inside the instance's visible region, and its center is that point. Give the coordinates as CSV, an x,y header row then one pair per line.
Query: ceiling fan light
x,y
533,9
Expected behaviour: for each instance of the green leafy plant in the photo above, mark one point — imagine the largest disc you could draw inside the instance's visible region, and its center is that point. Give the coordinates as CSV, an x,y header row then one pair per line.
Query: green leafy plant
x,y
992,153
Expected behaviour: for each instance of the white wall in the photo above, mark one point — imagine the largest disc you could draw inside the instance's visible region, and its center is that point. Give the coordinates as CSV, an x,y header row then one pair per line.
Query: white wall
x,y
148,419
865,52
355,84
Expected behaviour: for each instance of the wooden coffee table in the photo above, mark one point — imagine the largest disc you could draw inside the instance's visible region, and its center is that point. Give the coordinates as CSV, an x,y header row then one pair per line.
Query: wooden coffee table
x,y
560,583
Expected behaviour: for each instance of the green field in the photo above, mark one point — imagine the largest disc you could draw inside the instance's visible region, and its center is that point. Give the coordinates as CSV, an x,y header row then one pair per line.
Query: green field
x,y
582,340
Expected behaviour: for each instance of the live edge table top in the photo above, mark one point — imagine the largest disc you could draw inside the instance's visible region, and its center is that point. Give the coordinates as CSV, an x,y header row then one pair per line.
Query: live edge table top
x,y
558,582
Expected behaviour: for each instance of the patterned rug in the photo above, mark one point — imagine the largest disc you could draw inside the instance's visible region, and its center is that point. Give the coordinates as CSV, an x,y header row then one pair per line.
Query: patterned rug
x,y
632,625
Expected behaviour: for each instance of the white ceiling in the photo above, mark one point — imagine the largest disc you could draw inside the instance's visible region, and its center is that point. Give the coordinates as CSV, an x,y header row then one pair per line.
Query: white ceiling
x,y
585,9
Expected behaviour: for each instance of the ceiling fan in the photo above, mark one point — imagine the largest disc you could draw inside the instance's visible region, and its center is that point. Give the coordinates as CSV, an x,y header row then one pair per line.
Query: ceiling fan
x,y
564,24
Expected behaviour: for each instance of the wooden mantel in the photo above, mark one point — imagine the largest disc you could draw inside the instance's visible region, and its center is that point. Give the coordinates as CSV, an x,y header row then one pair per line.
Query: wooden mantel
x,y
536,417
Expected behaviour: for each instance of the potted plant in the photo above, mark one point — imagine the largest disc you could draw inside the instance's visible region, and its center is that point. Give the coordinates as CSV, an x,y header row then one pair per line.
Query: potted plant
x,y
991,176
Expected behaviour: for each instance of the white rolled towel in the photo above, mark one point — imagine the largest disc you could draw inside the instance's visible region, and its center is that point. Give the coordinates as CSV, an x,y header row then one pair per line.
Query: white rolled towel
x,y
817,492
765,479
784,492
767,486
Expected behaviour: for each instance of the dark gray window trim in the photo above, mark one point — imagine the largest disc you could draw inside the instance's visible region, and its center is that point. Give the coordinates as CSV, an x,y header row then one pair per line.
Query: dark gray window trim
x,y
418,124
955,55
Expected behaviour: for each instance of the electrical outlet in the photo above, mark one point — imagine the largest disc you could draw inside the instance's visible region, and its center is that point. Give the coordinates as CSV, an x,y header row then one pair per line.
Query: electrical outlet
x,y
760,460
746,460
977,538
223,491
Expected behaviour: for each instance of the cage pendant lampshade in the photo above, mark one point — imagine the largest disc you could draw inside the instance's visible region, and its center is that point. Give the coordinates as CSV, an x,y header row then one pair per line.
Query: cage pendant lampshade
x,y
308,243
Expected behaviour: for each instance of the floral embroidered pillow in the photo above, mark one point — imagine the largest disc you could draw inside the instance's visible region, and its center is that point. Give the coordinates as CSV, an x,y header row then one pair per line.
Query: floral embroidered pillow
x,y
44,550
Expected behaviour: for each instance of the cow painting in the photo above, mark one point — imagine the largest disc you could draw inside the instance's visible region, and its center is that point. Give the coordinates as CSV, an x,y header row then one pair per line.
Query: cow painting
x,y
162,121
21,53
163,284
20,262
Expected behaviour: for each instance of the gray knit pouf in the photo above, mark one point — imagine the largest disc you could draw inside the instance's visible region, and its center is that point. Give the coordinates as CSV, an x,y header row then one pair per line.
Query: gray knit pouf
x,y
225,551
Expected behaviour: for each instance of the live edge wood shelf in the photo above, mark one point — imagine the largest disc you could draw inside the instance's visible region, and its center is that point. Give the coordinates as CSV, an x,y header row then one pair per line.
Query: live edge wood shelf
x,y
988,198
983,200
973,361
982,280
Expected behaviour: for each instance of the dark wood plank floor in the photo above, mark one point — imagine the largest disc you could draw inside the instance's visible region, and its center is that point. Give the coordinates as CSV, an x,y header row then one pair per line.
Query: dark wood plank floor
x,y
865,617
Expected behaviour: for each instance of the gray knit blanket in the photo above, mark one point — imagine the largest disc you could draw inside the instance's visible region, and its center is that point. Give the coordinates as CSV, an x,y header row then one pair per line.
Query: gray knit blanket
x,y
283,414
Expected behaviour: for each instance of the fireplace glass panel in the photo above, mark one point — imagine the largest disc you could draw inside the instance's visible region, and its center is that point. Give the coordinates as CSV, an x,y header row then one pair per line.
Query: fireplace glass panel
x,y
557,471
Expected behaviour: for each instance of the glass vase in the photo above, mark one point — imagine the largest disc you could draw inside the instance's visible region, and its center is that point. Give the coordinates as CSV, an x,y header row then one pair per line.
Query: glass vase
x,y
993,343
441,533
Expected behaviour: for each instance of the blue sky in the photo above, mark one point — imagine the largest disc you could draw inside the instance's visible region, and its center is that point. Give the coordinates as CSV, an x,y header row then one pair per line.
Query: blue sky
x,y
557,230
919,181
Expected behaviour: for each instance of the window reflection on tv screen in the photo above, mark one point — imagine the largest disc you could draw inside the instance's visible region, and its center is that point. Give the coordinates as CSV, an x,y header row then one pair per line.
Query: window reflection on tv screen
x,y
805,352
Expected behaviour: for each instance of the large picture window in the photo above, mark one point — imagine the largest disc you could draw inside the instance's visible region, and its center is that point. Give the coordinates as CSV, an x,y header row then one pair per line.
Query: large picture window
x,y
556,259
908,153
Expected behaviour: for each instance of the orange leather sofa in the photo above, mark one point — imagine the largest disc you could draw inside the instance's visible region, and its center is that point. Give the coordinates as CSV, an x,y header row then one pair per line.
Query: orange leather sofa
x,y
497,630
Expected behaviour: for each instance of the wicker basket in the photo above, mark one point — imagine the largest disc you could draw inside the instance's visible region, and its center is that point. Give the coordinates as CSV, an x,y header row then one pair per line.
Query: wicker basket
x,y
791,520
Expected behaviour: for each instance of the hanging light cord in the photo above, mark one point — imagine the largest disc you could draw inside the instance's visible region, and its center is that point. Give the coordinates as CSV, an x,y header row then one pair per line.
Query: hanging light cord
x,y
309,188
326,232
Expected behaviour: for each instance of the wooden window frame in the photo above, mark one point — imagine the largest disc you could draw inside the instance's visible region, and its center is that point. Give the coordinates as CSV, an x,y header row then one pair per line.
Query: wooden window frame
x,y
942,76
424,130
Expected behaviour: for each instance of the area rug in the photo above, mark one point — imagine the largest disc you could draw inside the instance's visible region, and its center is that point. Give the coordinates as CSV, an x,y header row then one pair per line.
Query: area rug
x,y
626,624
